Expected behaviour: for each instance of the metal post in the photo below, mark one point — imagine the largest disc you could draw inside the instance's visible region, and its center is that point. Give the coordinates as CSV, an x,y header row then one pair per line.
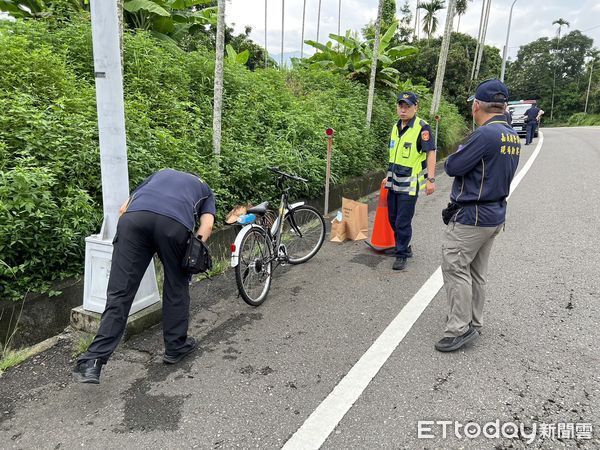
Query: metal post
x,y
318,20
282,30
329,132
266,51
302,38
437,125
506,45
113,161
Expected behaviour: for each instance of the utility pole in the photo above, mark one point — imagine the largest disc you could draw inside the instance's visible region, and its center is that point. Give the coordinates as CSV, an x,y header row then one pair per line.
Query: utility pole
x,y
374,63
108,75
266,51
587,96
441,69
506,44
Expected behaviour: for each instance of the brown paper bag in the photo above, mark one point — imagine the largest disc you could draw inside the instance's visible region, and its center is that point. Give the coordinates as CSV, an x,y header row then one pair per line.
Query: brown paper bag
x,y
338,230
356,216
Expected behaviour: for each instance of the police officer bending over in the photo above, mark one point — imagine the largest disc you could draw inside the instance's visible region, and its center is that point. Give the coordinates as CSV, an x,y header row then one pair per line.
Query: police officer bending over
x,y
158,218
483,169
411,169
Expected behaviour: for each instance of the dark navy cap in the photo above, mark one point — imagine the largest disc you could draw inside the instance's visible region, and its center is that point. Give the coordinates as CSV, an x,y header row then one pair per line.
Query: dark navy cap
x,y
491,91
408,97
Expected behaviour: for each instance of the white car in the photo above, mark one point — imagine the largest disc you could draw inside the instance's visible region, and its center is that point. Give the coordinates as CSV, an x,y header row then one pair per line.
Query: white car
x,y
517,111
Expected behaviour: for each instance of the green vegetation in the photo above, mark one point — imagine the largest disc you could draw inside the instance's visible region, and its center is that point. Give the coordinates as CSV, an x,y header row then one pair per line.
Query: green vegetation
x,y
50,187
584,120
82,344
11,358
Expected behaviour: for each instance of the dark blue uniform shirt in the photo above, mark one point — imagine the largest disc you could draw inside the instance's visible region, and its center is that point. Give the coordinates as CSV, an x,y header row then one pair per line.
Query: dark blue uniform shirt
x,y
423,145
532,114
483,169
181,196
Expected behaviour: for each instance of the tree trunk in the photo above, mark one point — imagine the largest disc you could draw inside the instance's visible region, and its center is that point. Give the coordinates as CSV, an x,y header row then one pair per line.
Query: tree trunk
x,y
441,69
374,63
218,91
483,35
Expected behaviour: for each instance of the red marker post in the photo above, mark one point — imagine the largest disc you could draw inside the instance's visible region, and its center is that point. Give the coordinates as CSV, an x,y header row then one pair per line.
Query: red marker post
x,y
329,132
437,123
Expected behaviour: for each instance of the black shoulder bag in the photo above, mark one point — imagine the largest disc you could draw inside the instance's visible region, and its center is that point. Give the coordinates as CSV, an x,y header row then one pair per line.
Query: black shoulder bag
x,y
197,257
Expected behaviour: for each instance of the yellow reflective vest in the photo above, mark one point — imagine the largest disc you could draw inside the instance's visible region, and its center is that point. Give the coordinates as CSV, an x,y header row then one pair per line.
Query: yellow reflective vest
x,y
407,168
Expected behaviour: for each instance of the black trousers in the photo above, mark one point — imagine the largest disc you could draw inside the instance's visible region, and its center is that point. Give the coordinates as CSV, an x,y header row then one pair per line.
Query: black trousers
x,y
401,209
139,236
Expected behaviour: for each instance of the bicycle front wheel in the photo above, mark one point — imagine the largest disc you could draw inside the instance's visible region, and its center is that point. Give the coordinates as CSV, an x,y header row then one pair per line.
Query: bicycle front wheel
x,y
303,233
253,272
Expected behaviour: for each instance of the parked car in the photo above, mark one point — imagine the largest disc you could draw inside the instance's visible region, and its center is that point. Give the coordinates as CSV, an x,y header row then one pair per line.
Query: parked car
x,y
518,116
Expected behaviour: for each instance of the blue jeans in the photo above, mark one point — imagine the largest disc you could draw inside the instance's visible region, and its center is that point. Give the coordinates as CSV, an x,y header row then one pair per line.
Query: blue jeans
x,y
401,209
531,126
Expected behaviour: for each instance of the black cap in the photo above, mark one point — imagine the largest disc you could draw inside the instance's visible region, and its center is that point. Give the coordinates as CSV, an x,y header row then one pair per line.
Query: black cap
x,y
491,91
408,97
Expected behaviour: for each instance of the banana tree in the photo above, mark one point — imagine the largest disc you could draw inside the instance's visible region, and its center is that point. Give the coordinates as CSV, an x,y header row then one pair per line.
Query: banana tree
x,y
238,58
350,56
169,19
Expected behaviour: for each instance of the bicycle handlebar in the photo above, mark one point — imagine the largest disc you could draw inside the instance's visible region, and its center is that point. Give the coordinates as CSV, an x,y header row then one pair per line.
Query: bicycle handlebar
x,y
286,175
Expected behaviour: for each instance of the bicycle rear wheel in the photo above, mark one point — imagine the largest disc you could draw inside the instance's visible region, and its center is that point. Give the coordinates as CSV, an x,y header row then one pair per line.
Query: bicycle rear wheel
x,y
303,233
254,270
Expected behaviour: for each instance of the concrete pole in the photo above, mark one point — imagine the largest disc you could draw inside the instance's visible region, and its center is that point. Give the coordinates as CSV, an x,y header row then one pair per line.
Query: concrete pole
x,y
266,51
113,160
506,44
441,69
587,96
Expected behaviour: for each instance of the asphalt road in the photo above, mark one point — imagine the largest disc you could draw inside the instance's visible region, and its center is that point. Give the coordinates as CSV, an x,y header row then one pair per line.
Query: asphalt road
x,y
261,372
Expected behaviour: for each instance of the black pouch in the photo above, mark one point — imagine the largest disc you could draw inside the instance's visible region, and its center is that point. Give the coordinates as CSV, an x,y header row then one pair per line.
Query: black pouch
x,y
449,211
197,257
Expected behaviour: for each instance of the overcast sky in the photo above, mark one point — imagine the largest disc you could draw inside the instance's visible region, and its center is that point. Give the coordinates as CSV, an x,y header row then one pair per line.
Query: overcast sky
x,y
532,19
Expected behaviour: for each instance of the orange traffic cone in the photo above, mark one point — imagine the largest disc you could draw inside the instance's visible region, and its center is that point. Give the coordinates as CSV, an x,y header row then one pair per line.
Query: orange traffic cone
x,y
383,237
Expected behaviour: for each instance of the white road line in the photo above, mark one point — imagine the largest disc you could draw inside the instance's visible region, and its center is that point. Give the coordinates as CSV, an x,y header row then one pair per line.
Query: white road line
x,y
319,425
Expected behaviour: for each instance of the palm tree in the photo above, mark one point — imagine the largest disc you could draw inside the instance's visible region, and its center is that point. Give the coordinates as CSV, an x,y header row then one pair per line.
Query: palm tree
x,y
430,21
461,9
560,22
218,90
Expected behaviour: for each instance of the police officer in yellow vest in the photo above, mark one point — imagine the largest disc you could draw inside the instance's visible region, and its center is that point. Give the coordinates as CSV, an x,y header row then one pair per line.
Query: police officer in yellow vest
x,y
411,169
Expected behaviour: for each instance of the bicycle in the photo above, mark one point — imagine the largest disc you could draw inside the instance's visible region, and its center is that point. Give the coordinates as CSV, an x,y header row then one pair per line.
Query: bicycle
x,y
268,241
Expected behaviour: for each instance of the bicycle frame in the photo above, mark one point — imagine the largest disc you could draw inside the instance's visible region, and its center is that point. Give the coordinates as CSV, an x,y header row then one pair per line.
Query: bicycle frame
x,y
273,233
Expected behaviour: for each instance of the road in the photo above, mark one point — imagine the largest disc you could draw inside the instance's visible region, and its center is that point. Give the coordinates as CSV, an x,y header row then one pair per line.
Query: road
x,y
261,373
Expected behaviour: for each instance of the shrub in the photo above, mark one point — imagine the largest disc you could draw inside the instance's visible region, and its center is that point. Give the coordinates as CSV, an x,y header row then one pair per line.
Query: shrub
x,y
583,119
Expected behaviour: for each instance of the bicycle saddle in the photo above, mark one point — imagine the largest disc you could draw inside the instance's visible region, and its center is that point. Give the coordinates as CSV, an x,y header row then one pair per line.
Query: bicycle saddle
x,y
259,210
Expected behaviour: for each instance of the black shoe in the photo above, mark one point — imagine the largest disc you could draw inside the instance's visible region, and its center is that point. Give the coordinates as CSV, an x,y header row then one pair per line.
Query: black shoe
x,y
399,264
449,344
174,359
88,371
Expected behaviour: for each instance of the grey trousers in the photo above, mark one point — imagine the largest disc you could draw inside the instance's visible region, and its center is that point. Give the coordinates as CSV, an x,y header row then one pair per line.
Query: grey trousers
x,y
465,254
